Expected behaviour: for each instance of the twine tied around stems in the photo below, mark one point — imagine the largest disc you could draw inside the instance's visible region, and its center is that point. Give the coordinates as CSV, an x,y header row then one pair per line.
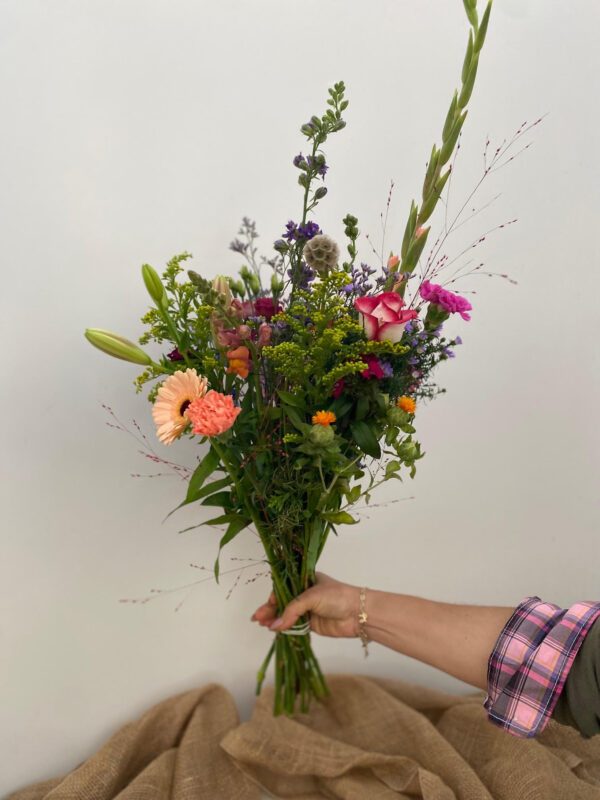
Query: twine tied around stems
x,y
299,629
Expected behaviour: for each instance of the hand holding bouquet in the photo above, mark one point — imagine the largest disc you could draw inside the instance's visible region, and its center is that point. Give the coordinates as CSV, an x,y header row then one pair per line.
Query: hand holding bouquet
x,y
303,385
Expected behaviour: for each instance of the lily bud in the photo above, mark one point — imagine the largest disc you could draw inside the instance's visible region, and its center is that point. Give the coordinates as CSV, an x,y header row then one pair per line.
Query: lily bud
x,y
154,285
117,346
221,285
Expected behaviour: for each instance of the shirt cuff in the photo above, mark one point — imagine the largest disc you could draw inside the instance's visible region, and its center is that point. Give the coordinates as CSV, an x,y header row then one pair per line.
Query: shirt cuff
x,y
531,659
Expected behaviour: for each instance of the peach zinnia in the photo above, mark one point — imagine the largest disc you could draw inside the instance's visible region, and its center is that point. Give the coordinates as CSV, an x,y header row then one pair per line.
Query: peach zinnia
x,y
172,402
213,414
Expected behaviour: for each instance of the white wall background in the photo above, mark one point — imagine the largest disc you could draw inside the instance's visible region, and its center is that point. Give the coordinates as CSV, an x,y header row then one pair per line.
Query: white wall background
x,y
133,130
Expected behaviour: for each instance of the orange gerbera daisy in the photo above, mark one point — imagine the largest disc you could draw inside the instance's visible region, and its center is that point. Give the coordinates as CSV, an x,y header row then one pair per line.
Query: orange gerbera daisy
x,y
239,361
324,418
406,404
172,400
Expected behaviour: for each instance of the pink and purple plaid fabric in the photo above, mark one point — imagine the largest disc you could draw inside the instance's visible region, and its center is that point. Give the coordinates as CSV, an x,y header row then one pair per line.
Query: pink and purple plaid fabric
x,y
531,659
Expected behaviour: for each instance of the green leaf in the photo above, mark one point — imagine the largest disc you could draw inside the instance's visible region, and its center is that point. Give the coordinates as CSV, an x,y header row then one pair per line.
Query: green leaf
x,y
210,488
222,499
391,435
362,407
223,519
291,399
339,518
354,494
365,438
341,406
205,468
391,467
294,418
237,524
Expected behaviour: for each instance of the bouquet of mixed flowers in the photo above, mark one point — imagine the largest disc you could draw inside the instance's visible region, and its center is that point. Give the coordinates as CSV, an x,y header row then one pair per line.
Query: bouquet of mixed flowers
x,y
304,387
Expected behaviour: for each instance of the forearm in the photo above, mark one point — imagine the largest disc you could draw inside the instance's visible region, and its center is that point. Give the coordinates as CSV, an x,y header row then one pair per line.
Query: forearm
x,y
457,639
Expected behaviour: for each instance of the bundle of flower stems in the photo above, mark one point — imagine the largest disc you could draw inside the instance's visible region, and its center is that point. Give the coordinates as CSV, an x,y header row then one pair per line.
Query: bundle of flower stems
x,y
301,376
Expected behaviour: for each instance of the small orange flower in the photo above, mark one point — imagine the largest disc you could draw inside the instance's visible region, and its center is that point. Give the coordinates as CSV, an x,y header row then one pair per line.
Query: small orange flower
x,y
325,418
239,361
406,404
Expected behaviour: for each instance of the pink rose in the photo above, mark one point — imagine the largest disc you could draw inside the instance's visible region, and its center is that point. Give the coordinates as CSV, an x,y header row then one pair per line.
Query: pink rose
x,y
383,316
212,414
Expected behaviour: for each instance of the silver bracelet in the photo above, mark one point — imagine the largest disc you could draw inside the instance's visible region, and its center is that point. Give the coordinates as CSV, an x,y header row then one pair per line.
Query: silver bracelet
x,y
362,620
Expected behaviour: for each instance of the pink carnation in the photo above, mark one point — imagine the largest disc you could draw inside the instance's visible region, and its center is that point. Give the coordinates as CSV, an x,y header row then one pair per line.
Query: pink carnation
x,y
450,302
212,414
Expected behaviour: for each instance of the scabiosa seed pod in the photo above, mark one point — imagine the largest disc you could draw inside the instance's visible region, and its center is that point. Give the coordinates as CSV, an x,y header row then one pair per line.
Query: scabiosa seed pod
x,y
321,253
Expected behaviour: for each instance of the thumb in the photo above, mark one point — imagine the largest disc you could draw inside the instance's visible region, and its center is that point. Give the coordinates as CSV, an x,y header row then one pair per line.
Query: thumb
x,y
294,610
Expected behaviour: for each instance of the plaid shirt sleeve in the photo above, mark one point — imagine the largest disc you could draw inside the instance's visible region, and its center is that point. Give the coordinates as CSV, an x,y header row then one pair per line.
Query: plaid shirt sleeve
x,y
531,659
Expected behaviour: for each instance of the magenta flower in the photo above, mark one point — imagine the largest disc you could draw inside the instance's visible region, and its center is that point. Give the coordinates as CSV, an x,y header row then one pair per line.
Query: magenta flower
x,y
450,302
383,316
374,368
266,307
338,388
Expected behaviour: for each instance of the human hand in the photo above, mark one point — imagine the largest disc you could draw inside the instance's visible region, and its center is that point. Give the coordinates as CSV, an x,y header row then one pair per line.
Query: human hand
x,y
333,609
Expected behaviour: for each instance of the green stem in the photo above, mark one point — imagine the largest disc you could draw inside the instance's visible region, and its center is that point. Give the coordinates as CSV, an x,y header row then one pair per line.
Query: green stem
x,y
262,672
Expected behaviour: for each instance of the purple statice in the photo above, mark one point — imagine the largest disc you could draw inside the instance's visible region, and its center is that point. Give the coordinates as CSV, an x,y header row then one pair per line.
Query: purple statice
x,y
457,340
387,368
303,278
447,353
238,246
360,282
290,231
301,233
308,231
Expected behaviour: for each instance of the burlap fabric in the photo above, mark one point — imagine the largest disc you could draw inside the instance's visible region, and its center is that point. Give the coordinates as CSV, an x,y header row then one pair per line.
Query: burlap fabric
x,y
373,739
